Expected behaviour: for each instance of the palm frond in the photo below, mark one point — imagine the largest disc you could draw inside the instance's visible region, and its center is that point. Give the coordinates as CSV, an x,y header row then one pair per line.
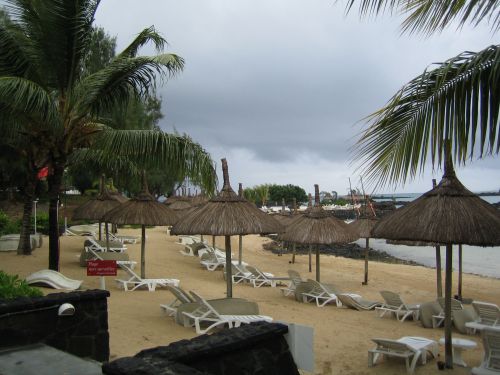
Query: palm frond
x,y
458,100
145,36
24,98
120,81
59,35
98,160
428,16
149,148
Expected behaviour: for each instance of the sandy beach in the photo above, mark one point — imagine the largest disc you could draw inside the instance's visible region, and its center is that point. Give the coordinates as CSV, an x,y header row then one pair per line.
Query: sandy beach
x,y
341,336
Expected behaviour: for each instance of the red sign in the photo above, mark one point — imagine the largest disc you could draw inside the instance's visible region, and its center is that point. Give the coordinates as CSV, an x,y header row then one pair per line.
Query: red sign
x,y
43,173
101,268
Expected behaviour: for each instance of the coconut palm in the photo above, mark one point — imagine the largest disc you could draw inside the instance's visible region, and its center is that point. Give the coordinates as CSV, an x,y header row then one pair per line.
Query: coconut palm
x,y
45,91
457,99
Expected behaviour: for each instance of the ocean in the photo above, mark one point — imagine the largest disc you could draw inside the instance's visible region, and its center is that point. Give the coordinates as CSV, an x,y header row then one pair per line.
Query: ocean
x,y
483,261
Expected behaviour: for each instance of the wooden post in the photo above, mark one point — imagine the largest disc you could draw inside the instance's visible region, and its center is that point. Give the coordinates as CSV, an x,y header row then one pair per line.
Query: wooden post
x,y
294,248
143,251
100,231
229,278
439,278
448,349
317,264
459,272
240,250
213,242
107,237
310,261
367,248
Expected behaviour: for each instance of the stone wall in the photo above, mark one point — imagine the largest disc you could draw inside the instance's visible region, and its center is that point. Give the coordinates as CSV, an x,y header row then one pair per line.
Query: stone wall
x,y
257,348
26,321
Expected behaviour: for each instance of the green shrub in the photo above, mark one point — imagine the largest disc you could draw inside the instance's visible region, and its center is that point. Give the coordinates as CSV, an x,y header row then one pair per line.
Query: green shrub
x,y
8,226
42,223
11,286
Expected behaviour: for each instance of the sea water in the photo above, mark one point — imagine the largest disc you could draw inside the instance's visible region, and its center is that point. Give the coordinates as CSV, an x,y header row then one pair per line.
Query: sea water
x,y
483,261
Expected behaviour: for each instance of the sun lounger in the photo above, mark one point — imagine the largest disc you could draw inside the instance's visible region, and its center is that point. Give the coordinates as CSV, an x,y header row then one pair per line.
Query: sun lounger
x,y
193,249
438,319
82,230
295,280
135,281
322,294
491,357
186,240
207,314
394,305
488,315
102,246
53,279
259,278
239,273
181,297
410,348
357,303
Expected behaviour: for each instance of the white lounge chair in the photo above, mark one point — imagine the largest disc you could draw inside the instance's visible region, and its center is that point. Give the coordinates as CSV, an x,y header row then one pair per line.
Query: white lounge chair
x,y
193,249
53,279
123,238
357,303
259,278
239,273
181,297
488,315
491,358
322,294
186,240
295,280
82,230
410,348
96,245
207,314
135,281
394,305
438,319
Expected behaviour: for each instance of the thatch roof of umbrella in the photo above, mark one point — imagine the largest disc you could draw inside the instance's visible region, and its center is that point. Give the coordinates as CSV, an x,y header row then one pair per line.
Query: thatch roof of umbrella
x,y
448,214
227,214
364,226
95,208
180,205
317,227
199,200
143,210
412,243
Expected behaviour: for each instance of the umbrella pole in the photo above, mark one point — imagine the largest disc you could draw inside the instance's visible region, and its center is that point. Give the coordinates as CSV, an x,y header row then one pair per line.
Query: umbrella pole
x,y
367,247
240,250
107,237
213,242
459,272
293,252
317,264
143,251
310,261
439,277
100,231
229,277
447,309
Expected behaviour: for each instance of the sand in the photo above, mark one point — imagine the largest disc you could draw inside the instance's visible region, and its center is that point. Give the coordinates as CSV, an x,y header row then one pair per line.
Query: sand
x,y
341,336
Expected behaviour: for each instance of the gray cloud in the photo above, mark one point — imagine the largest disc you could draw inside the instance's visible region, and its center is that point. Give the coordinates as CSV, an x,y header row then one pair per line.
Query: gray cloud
x,y
280,81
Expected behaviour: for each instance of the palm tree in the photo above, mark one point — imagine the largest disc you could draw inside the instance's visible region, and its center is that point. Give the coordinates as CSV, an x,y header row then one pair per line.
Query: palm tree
x,y
46,92
457,99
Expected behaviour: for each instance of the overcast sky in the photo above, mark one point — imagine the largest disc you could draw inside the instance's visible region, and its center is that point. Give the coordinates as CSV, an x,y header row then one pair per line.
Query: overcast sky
x,y
279,87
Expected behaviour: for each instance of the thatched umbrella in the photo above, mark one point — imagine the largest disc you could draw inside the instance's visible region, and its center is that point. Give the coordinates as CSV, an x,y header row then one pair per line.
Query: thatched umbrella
x,y
448,214
227,215
143,210
363,227
317,227
95,208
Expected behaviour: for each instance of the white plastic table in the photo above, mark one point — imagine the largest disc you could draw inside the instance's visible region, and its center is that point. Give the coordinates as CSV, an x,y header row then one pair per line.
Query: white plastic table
x,y
458,345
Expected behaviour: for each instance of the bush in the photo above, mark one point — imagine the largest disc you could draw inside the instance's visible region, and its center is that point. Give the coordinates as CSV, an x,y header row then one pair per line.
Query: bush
x,y
42,223
8,226
11,286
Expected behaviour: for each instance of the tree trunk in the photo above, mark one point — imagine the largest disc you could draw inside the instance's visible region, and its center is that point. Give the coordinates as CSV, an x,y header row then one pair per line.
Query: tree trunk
x,y
24,247
55,181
